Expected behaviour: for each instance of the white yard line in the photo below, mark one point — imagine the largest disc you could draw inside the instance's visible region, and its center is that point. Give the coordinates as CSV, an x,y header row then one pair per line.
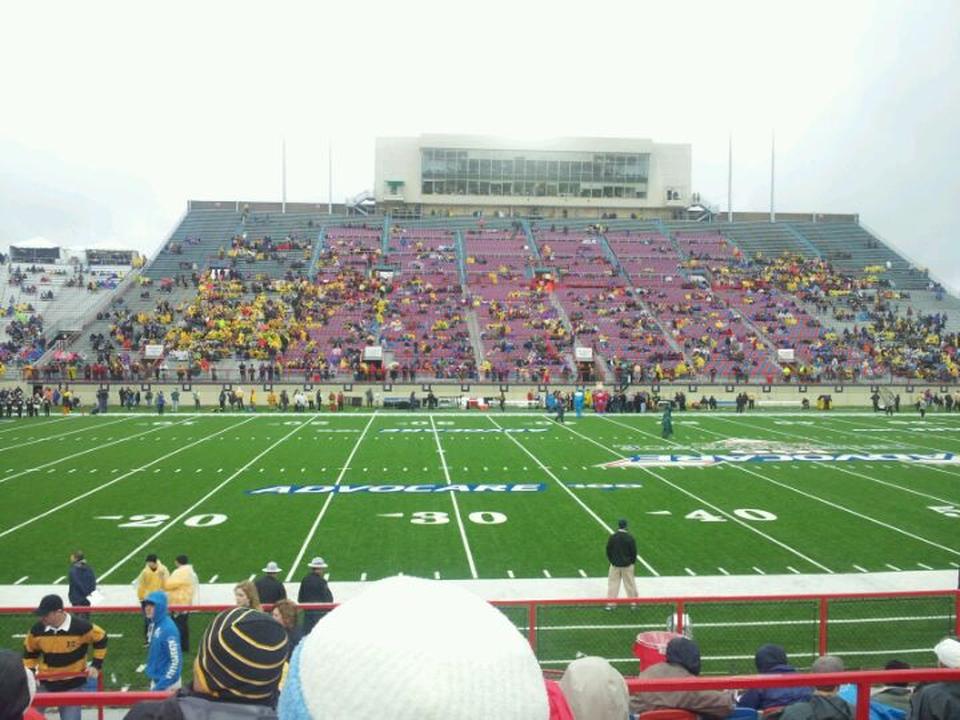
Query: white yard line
x,y
453,498
91,426
83,452
17,425
175,521
843,508
729,516
326,503
569,492
117,479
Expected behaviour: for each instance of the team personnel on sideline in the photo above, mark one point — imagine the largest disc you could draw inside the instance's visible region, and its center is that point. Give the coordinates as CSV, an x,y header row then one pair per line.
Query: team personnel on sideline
x,y
622,554
151,578
58,645
83,581
164,659
268,587
181,588
314,589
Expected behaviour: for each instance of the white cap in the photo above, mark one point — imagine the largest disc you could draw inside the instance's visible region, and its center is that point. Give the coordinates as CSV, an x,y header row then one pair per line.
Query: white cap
x,y
271,567
430,650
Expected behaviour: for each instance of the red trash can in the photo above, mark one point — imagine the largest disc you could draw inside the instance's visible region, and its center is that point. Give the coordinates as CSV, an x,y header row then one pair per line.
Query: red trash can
x,y
651,647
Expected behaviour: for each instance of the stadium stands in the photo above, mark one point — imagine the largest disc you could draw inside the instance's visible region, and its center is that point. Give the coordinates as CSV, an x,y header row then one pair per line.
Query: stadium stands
x,y
457,298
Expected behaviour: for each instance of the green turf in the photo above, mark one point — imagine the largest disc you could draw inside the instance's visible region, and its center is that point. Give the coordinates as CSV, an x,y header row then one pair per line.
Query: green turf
x,y
122,486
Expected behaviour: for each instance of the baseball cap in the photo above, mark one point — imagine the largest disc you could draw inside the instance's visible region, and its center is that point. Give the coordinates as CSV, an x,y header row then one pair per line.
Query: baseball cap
x,y
49,604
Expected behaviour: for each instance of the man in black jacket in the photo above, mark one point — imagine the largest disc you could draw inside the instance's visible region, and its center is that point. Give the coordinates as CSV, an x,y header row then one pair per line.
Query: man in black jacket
x,y
268,587
82,580
314,589
622,554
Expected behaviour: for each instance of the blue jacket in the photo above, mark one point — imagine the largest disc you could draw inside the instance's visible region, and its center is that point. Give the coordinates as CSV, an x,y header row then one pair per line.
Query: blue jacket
x,y
82,583
164,661
772,659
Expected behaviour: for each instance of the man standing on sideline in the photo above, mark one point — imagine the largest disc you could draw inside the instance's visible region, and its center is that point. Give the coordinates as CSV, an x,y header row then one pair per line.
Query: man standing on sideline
x,y
59,644
667,422
314,589
268,587
622,554
164,659
151,578
181,588
83,582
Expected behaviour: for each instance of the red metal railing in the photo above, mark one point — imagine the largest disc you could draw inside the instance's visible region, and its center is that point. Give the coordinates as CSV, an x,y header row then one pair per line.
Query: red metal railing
x,y
862,679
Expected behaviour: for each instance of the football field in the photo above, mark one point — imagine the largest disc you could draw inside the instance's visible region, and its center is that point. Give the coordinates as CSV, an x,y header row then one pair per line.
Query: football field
x,y
481,495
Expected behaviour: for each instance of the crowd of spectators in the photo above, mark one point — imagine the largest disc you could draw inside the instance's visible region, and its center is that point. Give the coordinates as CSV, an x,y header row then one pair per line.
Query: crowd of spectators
x,y
432,648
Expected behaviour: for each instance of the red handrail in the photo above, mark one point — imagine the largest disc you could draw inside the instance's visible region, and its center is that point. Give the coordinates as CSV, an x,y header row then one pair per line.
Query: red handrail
x,y
862,679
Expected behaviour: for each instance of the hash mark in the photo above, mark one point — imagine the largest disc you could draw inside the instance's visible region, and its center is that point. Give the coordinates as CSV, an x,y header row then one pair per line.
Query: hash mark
x,y
363,577
690,572
21,579
925,567
214,579
59,579
546,573
892,567
510,574
860,569
759,570
436,574
582,573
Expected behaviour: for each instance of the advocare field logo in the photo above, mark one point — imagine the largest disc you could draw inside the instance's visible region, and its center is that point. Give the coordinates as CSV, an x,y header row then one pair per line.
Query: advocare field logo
x,y
649,461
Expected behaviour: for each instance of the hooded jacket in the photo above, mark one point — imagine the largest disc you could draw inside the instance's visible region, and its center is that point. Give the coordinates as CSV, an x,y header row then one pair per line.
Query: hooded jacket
x,y
164,661
14,687
683,660
773,659
595,690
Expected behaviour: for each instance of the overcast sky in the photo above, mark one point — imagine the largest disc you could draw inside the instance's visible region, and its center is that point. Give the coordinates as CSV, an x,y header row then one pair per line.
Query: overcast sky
x,y
114,114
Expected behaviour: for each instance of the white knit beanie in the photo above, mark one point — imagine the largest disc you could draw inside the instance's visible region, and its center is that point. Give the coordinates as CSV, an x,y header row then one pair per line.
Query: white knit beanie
x,y
948,652
411,649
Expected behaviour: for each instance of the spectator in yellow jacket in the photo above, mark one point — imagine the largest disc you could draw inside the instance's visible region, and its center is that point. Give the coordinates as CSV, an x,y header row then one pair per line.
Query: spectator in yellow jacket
x,y
181,588
153,577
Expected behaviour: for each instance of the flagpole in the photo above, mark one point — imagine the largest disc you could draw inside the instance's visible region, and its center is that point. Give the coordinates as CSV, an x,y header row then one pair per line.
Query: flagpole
x,y
773,155
283,171
730,178
330,178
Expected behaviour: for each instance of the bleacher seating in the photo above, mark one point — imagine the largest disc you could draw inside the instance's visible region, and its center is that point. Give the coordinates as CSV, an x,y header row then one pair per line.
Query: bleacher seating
x,y
466,297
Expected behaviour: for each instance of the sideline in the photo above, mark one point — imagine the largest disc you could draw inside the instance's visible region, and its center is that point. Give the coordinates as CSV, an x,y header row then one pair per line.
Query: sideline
x,y
568,588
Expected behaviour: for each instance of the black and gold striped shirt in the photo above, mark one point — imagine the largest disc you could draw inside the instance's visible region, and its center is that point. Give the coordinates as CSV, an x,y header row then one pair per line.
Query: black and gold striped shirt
x,y
64,650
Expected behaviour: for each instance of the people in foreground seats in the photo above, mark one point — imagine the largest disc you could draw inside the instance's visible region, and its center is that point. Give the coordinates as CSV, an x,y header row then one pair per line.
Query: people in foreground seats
x,y
683,660
595,690
236,674
413,648
825,703
939,701
17,688
773,659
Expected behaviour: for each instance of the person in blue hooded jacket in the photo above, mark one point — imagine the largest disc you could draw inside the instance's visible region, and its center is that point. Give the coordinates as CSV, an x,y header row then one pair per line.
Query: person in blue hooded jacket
x,y
164,660
773,659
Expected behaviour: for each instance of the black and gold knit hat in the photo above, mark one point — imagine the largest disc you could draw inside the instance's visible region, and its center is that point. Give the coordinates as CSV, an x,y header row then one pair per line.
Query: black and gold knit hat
x,y
241,657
